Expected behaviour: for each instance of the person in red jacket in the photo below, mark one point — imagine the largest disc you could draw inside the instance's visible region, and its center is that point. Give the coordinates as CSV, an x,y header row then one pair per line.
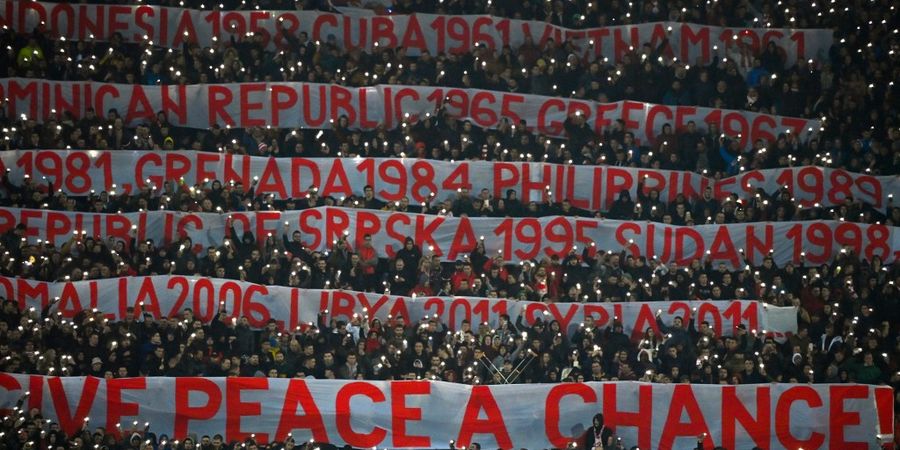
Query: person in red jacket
x,y
463,272
368,260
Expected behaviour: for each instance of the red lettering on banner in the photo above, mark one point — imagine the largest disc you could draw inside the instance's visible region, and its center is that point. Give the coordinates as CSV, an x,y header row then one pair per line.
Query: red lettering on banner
x,y
337,223
563,319
646,318
641,419
681,246
337,181
507,107
483,115
104,91
139,108
364,121
539,186
397,105
463,240
372,308
366,223
59,99
400,413
280,103
839,418
756,246
601,318
299,183
714,116
8,221
481,398
343,304
658,36
425,232
35,215
115,407
783,416
577,107
28,92
142,167
652,180
177,107
602,121
69,303
322,20
399,309
9,382
682,112
501,180
340,100
699,39
308,97
57,226
552,408
683,401
234,22
751,176
383,29
735,124
70,423
241,175
270,181
621,45
617,180
246,106
140,15
36,387
884,403
298,395
554,127
184,31
342,411
757,128
796,125
413,36
394,222
627,108
203,161
631,227
722,248
147,299
219,97
649,127
184,412
26,292
309,227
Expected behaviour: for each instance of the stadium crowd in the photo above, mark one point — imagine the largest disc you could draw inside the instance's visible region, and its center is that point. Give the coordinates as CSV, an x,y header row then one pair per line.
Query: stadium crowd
x,y
848,310
851,88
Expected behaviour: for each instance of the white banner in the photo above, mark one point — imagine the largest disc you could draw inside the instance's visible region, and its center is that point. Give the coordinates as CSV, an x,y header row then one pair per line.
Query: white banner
x,y
592,188
429,414
453,238
166,296
311,105
171,27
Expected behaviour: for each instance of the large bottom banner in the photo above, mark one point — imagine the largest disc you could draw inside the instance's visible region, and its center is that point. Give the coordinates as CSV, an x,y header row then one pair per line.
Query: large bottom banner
x,y
427,414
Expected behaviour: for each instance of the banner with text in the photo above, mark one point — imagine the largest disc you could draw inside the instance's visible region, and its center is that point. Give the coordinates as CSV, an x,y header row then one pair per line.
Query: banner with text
x,y
313,105
432,414
293,308
171,27
453,238
593,188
